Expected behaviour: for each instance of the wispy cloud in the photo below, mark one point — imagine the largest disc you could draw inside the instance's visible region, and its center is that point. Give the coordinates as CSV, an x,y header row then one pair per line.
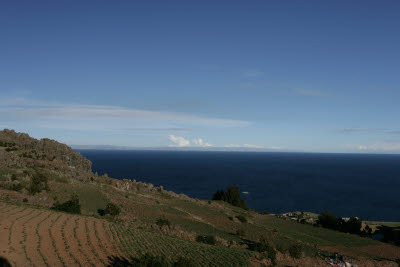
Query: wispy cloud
x,y
252,73
253,146
370,130
104,118
314,93
376,147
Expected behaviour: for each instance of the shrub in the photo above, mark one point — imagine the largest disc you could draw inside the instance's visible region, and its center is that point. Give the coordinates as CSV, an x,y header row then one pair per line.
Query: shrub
x,y
112,209
264,247
330,221
148,260
240,232
352,226
327,220
39,182
71,206
208,239
296,251
241,218
232,196
183,262
17,187
25,200
163,221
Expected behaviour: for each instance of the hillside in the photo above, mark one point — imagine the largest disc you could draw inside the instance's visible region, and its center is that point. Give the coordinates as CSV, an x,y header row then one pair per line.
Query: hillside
x,y
36,175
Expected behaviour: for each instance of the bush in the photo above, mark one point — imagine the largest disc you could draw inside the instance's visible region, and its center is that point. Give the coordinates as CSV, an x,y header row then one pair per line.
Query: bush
x,y
327,220
148,260
112,209
17,187
264,247
163,221
352,226
241,218
330,221
232,196
296,251
208,239
25,200
39,182
184,262
240,232
71,206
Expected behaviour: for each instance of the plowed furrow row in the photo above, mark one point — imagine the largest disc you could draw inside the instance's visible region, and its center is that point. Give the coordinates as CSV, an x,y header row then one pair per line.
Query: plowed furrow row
x,y
4,209
110,241
124,245
89,237
99,240
14,211
38,247
46,244
16,237
59,244
12,226
53,241
27,232
67,246
82,246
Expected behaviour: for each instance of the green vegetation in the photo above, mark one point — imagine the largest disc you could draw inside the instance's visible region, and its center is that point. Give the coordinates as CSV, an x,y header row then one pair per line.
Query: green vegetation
x,y
111,209
265,248
71,206
232,196
163,222
241,218
330,221
39,182
296,251
149,260
208,239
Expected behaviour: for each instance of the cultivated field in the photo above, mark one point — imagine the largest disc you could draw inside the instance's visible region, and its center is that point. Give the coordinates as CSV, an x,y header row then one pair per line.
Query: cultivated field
x,y
39,237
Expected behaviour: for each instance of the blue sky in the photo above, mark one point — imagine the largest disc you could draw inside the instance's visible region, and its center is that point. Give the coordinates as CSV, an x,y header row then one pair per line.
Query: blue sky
x,y
319,76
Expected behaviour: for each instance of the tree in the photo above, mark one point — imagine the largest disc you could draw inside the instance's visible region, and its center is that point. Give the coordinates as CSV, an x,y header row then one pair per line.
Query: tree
x,y
112,209
70,206
232,196
327,220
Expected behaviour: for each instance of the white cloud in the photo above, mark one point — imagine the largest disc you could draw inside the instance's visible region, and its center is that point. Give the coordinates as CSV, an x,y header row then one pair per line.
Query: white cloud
x,y
178,141
200,142
376,147
103,118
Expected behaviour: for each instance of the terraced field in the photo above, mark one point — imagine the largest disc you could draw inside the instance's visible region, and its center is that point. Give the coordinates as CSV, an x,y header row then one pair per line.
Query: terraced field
x,y
40,237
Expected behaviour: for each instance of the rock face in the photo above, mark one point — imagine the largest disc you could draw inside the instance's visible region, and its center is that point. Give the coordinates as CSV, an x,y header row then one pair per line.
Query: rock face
x,y
21,150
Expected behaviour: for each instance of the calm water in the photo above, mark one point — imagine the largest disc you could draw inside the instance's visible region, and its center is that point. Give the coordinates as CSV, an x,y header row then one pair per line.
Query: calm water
x,y
367,186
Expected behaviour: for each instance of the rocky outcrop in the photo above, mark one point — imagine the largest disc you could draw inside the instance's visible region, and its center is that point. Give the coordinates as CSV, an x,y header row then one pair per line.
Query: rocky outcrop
x,y
10,160
20,150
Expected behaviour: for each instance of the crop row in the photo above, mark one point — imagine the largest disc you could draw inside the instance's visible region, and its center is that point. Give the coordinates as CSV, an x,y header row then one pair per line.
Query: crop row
x,y
135,242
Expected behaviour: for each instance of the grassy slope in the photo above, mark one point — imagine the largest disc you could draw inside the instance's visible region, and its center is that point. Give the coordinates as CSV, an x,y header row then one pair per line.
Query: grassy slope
x,y
195,217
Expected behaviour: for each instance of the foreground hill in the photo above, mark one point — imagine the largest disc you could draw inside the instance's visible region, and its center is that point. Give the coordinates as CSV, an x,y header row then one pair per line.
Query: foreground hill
x,y
36,175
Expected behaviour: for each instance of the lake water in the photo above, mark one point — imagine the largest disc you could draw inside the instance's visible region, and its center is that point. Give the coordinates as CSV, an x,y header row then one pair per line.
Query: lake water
x,y
367,186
